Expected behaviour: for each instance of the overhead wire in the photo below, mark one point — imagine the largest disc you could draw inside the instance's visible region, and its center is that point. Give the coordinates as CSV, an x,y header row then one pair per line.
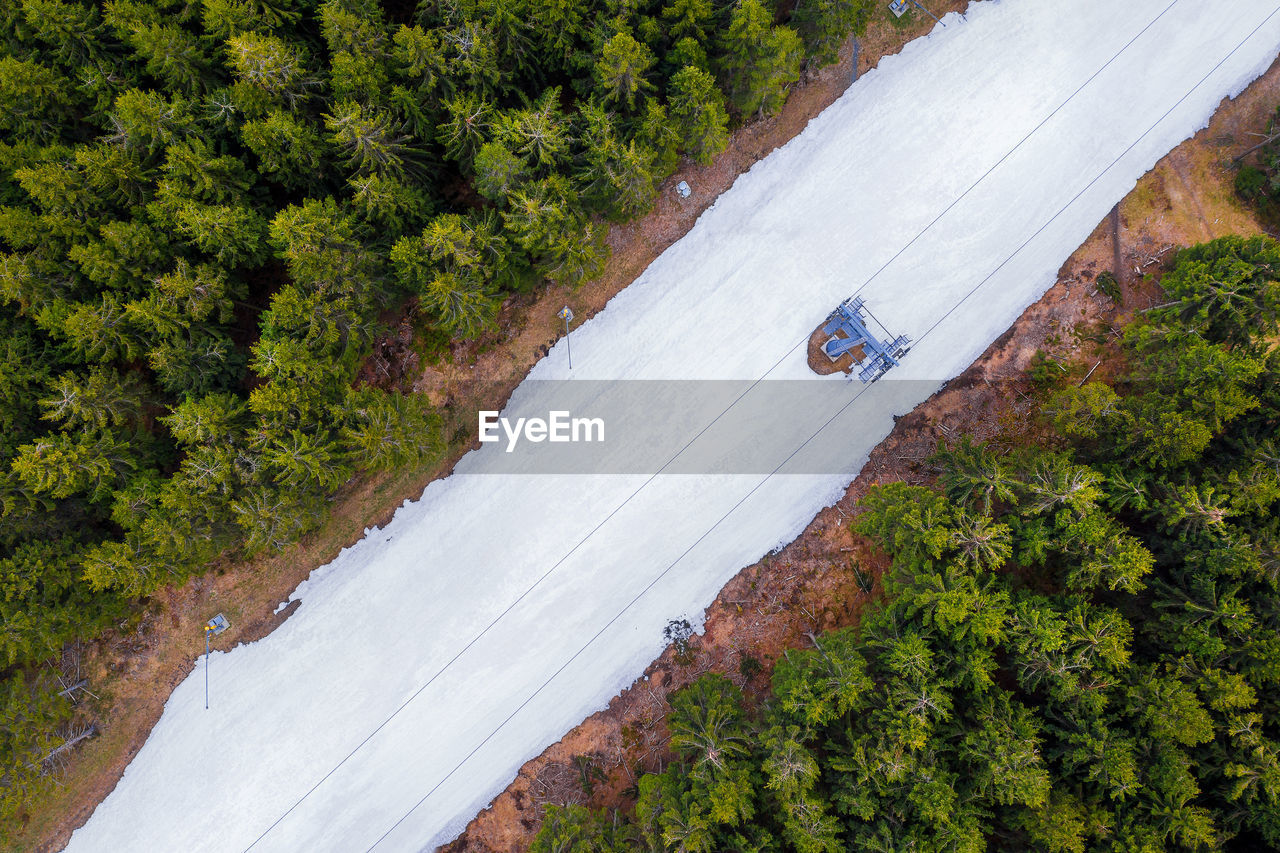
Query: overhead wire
x,y
631,496
818,431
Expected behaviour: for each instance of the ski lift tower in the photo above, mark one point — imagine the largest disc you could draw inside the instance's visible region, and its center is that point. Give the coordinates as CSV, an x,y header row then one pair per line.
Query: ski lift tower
x,y
848,333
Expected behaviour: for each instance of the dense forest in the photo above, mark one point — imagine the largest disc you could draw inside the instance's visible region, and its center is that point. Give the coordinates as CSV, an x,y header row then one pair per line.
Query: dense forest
x,y
208,208
1078,646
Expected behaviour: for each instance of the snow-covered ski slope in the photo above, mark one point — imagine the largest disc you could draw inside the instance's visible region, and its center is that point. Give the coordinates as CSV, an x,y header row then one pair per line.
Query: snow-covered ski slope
x,y
972,165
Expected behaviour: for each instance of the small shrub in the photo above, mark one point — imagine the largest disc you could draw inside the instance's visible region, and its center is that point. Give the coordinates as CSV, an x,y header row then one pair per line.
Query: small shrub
x,y
589,773
632,738
677,633
1109,285
1251,184
1046,373
863,579
430,342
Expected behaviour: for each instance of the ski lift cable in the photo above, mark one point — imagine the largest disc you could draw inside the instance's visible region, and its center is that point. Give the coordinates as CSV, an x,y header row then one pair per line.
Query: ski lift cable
x,y
814,435
484,631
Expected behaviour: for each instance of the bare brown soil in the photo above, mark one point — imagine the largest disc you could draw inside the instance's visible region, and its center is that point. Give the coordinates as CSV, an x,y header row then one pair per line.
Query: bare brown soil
x,y
822,364
821,580
133,669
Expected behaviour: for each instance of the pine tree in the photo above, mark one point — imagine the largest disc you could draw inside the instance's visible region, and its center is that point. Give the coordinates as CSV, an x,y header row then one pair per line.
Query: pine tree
x,y
173,56
825,25
473,60
389,202
1229,287
270,72
145,122
462,303
913,522
557,25
571,828
128,567
543,219
223,19
973,475
466,127
1002,751
340,281
60,188
289,150
203,293
359,77
539,135
119,174
61,465
306,462
448,269
498,171
30,714
687,51
35,101
658,133
233,235
206,420
419,59
127,255
819,686
100,330
620,70
370,140
697,114
273,519
354,26
192,171
390,431
759,61
72,32
688,18
706,724
196,364
100,399
1088,411
617,178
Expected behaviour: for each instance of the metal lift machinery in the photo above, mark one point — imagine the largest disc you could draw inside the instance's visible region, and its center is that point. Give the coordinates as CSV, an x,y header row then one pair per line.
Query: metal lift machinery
x,y
847,332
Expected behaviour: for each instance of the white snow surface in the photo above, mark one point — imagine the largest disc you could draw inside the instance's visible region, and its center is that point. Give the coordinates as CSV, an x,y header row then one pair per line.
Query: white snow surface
x,y
1065,103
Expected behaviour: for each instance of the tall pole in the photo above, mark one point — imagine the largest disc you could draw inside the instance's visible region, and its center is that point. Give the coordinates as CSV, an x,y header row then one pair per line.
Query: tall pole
x,y
921,7
206,667
566,314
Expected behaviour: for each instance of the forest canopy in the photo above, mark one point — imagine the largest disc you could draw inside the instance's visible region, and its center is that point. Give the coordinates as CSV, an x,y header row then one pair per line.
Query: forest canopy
x,y
207,209
1078,647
